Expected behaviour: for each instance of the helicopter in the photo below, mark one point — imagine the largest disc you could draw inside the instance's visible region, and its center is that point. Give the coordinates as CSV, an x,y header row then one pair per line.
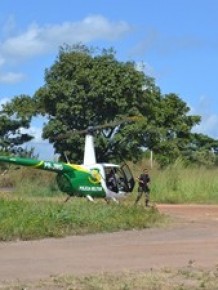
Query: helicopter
x,y
89,179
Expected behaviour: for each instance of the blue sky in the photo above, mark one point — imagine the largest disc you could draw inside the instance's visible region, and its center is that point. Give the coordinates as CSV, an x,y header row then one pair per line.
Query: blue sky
x,y
177,41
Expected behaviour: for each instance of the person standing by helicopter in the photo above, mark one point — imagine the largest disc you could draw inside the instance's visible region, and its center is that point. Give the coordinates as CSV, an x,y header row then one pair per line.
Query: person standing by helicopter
x,y
143,187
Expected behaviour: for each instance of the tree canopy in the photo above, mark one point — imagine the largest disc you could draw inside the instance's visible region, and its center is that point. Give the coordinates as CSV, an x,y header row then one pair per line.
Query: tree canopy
x,y
14,118
88,87
82,88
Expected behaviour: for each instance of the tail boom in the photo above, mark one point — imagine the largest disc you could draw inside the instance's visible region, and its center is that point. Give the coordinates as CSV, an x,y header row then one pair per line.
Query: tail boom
x,y
37,164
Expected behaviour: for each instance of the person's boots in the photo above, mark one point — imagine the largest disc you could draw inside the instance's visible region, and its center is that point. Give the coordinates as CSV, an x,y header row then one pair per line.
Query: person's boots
x,y
147,203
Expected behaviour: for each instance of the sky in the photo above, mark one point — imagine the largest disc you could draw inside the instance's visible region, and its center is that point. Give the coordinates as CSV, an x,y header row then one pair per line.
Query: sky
x,y
176,41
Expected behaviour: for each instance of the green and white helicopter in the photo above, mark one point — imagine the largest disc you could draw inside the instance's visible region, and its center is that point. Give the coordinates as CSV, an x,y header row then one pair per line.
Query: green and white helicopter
x,y
90,179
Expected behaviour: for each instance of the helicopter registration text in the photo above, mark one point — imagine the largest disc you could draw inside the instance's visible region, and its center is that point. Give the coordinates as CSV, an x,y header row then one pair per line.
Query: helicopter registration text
x,y
51,165
90,188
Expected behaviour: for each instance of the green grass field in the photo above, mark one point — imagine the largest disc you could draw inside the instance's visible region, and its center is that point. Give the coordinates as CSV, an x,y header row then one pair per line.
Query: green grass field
x,y
180,184
35,218
36,209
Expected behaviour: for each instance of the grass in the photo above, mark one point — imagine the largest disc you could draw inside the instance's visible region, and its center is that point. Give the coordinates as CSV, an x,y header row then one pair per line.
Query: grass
x,y
32,218
181,184
36,208
175,184
30,182
187,278
185,185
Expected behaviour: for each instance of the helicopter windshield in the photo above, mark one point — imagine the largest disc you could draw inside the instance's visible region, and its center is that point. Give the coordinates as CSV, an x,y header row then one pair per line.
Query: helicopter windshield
x,y
117,180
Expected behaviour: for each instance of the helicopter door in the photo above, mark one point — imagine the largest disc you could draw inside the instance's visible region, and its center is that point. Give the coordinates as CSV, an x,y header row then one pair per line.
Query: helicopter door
x,y
129,177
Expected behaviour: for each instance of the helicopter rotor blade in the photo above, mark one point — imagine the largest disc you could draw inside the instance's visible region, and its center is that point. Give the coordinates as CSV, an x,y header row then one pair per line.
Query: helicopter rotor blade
x,y
117,123
91,129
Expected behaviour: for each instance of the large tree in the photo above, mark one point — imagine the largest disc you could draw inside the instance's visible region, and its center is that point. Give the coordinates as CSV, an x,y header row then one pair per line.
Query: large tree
x,y
202,150
13,119
176,126
84,87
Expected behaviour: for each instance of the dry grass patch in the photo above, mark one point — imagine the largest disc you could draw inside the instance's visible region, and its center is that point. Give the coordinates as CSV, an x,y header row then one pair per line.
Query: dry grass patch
x,y
187,278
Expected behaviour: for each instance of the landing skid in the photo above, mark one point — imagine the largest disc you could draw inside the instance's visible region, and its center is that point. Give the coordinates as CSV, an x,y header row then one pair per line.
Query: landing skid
x,y
111,199
90,198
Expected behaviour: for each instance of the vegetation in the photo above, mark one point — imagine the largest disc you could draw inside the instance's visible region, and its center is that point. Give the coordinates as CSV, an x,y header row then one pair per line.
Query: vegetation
x,y
179,183
185,185
187,278
36,208
87,87
11,135
32,218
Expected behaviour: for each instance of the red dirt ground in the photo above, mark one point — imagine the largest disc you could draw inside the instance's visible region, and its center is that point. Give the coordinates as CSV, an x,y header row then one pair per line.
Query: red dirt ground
x,y
192,237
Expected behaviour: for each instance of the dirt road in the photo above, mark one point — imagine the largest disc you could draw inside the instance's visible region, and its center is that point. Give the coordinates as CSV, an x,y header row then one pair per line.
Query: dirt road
x,y
191,238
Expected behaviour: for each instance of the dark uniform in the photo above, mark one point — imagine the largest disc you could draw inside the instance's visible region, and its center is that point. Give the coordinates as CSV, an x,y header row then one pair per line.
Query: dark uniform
x,y
143,187
111,182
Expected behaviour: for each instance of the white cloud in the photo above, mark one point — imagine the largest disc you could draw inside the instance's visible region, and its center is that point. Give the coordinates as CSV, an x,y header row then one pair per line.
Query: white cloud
x,y
9,26
208,126
38,40
164,44
146,68
24,45
209,119
11,77
2,60
3,101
